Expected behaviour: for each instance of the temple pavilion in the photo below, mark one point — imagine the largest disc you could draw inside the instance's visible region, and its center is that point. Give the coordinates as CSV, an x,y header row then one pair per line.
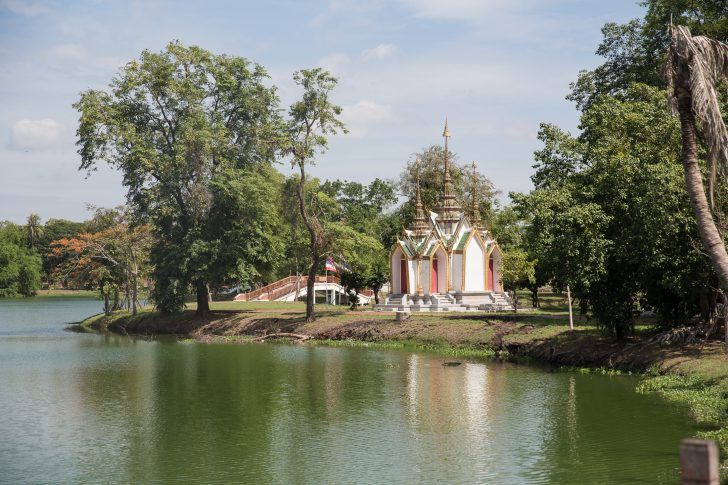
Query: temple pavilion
x,y
445,260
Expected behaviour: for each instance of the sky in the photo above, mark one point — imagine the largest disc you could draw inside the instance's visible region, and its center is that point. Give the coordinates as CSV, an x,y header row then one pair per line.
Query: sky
x,y
494,68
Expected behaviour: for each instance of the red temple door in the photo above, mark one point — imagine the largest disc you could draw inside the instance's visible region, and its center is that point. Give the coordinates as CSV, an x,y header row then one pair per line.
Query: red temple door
x,y
490,273
434,280
403,275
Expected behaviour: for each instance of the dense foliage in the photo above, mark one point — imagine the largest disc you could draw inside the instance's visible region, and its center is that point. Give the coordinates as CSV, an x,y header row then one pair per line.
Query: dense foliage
x,y
184,126
609,215
20,265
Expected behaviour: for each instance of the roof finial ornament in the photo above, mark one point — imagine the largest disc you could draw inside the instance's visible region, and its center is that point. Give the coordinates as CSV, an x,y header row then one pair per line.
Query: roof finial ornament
x,y
448,209
475,212
419,223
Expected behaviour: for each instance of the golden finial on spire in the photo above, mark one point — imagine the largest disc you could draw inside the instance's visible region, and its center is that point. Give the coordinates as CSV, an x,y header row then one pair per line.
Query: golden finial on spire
x,y
419,223
446,132
475,213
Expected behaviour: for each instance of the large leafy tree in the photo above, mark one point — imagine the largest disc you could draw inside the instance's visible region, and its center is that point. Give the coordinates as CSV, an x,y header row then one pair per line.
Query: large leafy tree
x,y
179,124
310,121
610,215
635,51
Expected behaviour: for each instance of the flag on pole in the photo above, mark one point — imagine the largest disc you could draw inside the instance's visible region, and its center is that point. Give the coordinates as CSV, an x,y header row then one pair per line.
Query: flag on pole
x,y
342,264
330,266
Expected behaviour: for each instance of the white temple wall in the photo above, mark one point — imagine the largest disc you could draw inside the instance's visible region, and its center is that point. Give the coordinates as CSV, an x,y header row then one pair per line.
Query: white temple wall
x,y
456,271
412,268
497,270
441,270
425,275
474,267
395,268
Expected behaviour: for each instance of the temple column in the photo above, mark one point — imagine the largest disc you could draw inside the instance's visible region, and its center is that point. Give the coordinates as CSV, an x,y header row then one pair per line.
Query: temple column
x,y
448,274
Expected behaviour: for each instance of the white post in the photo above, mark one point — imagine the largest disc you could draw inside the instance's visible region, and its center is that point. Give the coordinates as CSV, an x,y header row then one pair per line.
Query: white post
x,y
699,462
571,315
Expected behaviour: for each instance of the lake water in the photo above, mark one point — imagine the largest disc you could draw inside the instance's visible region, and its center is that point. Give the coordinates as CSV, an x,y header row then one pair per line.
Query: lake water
x,y
109,409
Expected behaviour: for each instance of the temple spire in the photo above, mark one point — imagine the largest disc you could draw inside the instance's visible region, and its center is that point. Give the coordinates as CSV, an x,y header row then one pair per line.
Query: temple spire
x,y
475,212
448,209
419,223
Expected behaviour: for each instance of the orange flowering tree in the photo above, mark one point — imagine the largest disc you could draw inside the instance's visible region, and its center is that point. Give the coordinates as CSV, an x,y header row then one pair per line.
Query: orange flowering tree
x,y
113,259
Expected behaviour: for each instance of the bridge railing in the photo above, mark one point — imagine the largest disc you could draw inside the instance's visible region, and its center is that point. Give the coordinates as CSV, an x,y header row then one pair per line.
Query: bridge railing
x,y
283,286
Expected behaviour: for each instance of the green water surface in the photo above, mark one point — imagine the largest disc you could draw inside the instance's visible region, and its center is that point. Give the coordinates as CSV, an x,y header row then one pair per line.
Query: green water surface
x,y
109,409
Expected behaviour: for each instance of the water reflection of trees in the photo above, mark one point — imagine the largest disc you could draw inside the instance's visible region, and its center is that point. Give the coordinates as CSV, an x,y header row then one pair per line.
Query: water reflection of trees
x,y
156,411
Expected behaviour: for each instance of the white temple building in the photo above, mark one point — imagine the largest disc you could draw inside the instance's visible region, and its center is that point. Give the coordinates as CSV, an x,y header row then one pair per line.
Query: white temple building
x,y
445,261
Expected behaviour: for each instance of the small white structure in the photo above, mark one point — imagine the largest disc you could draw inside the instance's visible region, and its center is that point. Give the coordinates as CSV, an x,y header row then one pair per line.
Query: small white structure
x,y
445,261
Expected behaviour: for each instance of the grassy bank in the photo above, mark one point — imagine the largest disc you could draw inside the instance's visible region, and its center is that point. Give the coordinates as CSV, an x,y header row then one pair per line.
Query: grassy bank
x,y
695,375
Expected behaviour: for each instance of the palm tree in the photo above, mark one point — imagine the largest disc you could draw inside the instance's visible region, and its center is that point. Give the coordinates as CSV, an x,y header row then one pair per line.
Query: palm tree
x,y
34,230
693,68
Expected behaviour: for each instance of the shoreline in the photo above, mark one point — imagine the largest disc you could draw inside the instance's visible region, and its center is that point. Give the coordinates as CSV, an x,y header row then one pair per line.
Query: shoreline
x,y
694,374
541,337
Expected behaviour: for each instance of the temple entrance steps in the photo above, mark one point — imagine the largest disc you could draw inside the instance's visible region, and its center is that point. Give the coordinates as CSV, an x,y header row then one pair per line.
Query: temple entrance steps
x,y
441,299
445,302
501,303
394,303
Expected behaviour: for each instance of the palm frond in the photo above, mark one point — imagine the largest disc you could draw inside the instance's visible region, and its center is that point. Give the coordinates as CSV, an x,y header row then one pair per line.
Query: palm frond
x,y
698,64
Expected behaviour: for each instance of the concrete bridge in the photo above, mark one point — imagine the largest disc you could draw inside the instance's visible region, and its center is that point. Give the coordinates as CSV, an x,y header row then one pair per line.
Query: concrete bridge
x,y
292,288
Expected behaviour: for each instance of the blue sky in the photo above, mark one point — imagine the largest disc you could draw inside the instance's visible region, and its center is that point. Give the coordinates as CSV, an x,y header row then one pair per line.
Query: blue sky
x,y
495,68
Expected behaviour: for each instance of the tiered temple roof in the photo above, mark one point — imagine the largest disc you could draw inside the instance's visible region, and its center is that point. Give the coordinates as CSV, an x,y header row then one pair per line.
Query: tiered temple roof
x,y
448,224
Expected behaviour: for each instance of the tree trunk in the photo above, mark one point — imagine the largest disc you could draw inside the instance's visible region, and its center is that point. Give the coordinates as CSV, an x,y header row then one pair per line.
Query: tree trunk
x,y
709,234
134,293
315,231
310,292
571,313
203,299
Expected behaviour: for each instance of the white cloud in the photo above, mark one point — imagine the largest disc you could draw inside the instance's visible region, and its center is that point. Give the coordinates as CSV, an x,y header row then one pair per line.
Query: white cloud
x,y
358,117
35,134
381,51
20,7
336,63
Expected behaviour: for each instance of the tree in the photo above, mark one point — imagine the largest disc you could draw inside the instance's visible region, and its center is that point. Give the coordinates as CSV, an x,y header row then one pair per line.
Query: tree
x,y
310,120
694,67
518,272
114,258
431,180
610,218
20,268
34,230
177,124
53,230
634,52
378,277
363,254
361,206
